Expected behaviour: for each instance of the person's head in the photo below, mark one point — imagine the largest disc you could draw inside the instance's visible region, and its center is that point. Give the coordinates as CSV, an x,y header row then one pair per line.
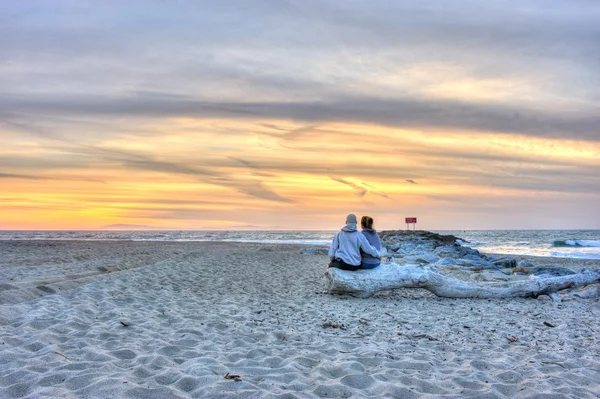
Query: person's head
x,y
351,218
366,222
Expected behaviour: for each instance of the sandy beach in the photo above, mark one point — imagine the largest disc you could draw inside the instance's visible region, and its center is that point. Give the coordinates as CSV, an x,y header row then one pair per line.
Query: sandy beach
x,y
170,320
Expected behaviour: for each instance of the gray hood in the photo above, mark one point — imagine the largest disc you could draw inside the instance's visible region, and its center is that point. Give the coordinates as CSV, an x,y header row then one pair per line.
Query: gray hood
x,y
350,227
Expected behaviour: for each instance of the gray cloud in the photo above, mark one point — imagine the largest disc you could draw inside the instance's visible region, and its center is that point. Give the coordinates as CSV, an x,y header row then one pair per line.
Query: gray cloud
x,y
138,161
157,201
20,176
360,191
397,113
132,160
515,173
176,214
158,61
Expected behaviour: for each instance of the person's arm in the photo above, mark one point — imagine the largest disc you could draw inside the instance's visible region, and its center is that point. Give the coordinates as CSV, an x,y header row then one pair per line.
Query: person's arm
x,y
382,250
368,248
333,247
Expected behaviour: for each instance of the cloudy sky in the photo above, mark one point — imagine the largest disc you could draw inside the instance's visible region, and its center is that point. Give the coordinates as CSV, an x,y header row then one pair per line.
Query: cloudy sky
x,y
289,114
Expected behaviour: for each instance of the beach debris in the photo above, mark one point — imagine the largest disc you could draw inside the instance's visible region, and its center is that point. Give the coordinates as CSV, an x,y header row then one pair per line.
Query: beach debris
x,y
554,271
512,339
549,324
395,318
443,265
419,336
520,269
235,377
64,357
339,325
591,292
505,263
389,276
124,324
314,251
555,297
555,363
524,263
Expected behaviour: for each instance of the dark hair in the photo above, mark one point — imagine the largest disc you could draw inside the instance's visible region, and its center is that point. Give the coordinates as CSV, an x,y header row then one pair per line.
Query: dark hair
x,y
366,221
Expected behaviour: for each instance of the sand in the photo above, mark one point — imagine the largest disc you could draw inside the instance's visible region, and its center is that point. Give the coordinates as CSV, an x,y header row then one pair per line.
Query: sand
x,y
169,320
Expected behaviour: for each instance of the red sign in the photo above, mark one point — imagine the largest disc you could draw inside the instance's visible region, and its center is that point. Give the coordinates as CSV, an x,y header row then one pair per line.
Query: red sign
x,y
411,220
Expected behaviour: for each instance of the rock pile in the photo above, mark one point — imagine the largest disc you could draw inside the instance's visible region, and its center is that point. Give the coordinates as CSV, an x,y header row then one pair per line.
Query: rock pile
x,y
427,247
452,255
449,254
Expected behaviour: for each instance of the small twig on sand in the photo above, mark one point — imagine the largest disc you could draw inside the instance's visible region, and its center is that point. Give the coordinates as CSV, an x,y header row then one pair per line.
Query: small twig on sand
x,y
556,363
234,377
63,356
429,337
395,318
549,324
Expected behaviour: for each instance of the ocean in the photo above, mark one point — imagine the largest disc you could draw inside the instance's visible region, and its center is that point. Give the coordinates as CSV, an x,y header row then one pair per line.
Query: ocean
x,y
583,244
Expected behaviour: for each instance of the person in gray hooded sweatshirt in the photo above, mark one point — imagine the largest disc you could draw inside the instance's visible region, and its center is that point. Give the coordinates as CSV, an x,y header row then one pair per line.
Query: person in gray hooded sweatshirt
x,y
346,246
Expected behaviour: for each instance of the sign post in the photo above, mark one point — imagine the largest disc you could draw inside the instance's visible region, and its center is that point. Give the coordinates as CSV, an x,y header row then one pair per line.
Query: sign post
x,y
408,221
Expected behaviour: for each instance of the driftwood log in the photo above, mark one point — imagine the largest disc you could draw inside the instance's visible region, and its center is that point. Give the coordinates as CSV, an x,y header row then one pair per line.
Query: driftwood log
x,y
365,283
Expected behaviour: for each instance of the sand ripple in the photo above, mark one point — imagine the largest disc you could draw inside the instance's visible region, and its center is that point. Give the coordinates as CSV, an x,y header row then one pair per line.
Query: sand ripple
x,y
147,320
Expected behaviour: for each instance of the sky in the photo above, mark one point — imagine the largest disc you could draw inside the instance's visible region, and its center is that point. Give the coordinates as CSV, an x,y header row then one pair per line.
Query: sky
x,y
289,114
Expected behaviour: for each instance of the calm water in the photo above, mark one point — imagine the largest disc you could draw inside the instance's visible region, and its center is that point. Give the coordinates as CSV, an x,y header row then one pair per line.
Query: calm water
x,y
556,243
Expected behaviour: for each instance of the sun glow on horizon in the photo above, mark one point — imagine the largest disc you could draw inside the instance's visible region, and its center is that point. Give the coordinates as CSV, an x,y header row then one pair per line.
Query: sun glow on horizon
x,y
248,172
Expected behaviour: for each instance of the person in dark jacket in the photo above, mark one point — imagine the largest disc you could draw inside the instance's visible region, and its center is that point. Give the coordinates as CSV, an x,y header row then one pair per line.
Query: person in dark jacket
x,y
368,261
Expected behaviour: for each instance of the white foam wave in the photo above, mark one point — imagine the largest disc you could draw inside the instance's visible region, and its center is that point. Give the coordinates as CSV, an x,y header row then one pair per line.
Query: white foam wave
x,y
576,243
469,243
576,255
583,243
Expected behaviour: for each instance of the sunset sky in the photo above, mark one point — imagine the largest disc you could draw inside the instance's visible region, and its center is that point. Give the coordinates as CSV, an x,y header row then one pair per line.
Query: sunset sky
x,y
282,114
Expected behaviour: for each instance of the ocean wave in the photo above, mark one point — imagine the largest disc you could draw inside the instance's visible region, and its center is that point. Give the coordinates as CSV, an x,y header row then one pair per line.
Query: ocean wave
x,y
575,243
466,243
575,255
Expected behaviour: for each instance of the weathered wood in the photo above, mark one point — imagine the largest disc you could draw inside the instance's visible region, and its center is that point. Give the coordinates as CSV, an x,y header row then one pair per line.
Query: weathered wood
x,y
365,283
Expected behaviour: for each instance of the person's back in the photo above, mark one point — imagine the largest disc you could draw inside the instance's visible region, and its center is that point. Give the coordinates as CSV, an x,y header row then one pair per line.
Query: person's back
x,y
367,260
345,250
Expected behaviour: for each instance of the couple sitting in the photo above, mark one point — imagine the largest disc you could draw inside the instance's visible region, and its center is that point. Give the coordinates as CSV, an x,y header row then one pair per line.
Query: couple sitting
x,y
353,250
